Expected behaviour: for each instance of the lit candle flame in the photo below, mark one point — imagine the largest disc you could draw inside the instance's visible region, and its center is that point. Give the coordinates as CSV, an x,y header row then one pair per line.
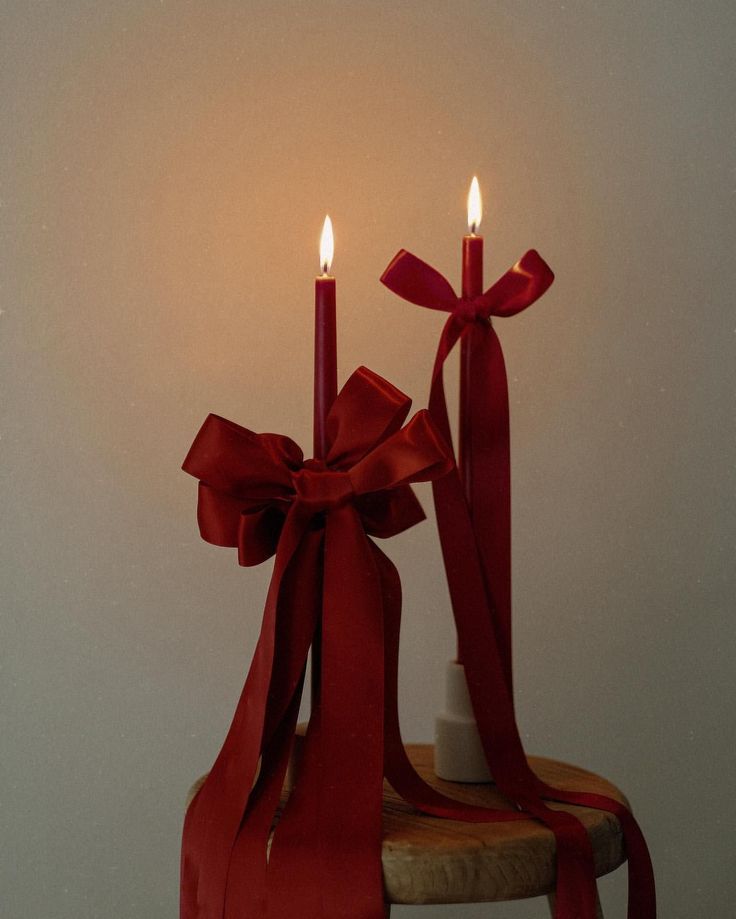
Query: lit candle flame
x,y
475,207
326,246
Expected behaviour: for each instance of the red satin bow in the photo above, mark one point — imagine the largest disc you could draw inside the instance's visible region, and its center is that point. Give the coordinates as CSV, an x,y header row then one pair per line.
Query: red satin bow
x,y
477,554
258,494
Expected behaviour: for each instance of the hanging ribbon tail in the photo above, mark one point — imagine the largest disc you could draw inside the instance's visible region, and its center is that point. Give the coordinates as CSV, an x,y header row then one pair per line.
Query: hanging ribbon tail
x,y
351,792
490,481
492,571
398,769
642,900
300,602
326,856
247,880
493,709
298,851
482,652
214,816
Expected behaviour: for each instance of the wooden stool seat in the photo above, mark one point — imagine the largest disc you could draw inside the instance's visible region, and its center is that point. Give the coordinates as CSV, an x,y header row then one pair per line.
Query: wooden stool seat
x,y
431,860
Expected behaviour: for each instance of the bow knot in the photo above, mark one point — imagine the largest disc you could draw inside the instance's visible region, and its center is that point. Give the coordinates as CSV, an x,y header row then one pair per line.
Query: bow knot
x,y
321,489
472,309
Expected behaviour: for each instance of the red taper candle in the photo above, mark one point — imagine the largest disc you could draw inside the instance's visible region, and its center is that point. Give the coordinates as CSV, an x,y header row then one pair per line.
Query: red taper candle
x,y
325,342
472,286
325,382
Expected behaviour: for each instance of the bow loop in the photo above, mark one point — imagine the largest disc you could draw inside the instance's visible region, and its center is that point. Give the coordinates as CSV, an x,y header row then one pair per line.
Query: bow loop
x,y
367,410
416,453
239,462
416,281
523,284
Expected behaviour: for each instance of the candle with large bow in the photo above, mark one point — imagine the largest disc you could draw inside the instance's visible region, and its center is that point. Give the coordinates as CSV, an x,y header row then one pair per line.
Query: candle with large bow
x,y
325,382
258,493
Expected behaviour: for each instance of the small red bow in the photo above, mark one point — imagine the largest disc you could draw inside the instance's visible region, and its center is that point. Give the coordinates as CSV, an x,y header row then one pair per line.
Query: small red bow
x,y
258,494
488,449
417,282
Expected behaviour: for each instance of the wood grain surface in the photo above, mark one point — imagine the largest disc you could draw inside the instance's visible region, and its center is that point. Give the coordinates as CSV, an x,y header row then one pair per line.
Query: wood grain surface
x,y
429,860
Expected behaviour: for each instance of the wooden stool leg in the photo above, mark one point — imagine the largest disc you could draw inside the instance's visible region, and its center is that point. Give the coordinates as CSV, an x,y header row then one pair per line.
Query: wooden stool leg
x,y
598,907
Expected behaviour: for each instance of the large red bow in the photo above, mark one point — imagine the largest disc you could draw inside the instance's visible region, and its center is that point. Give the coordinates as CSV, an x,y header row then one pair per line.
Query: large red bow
x,y
258,494
477,554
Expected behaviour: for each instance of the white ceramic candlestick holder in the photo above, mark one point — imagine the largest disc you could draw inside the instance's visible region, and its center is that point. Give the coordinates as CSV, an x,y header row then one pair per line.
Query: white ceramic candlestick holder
x,y
458,752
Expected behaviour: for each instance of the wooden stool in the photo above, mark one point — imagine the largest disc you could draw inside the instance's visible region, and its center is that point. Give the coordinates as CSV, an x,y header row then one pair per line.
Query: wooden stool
x,y
430,860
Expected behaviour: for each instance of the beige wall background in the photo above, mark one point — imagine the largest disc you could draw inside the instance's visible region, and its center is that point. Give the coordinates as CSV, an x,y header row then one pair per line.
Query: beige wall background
x,y
164,171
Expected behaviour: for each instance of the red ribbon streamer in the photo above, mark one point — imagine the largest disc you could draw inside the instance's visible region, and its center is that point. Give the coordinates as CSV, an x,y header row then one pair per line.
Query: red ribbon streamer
x,y
490,479
477,555
257,493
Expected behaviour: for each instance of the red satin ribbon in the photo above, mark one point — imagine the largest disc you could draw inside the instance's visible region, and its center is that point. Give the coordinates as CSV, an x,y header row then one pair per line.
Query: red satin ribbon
x,y
258,494
490,479
477,554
